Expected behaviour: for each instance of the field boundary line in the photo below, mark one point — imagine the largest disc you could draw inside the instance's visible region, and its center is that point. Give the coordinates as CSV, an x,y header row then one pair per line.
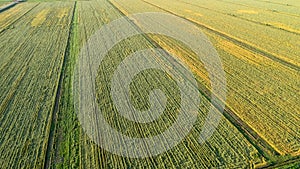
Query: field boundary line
x,y
55,108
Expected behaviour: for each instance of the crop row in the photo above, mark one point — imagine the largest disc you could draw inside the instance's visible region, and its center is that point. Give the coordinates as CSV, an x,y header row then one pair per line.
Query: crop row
x,y
262,92
31,59
227,147
260,16
280,44
14,14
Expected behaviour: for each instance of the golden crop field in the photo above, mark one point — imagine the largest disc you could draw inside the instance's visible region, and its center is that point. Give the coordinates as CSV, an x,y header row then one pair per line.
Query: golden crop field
x,y
52,86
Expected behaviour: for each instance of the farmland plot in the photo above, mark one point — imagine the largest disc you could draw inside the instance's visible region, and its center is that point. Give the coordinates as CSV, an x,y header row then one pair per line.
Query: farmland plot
x,y
12,15
4,2
265,17
76,148
257,42
32,53
278,45
261,92
285,3
289,8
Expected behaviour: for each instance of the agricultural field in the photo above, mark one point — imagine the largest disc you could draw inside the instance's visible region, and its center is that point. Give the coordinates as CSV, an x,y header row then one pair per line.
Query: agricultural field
x,y
32,54
41,46
3,2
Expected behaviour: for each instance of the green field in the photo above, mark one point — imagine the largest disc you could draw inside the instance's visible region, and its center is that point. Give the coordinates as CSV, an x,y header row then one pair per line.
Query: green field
x,y
258,43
